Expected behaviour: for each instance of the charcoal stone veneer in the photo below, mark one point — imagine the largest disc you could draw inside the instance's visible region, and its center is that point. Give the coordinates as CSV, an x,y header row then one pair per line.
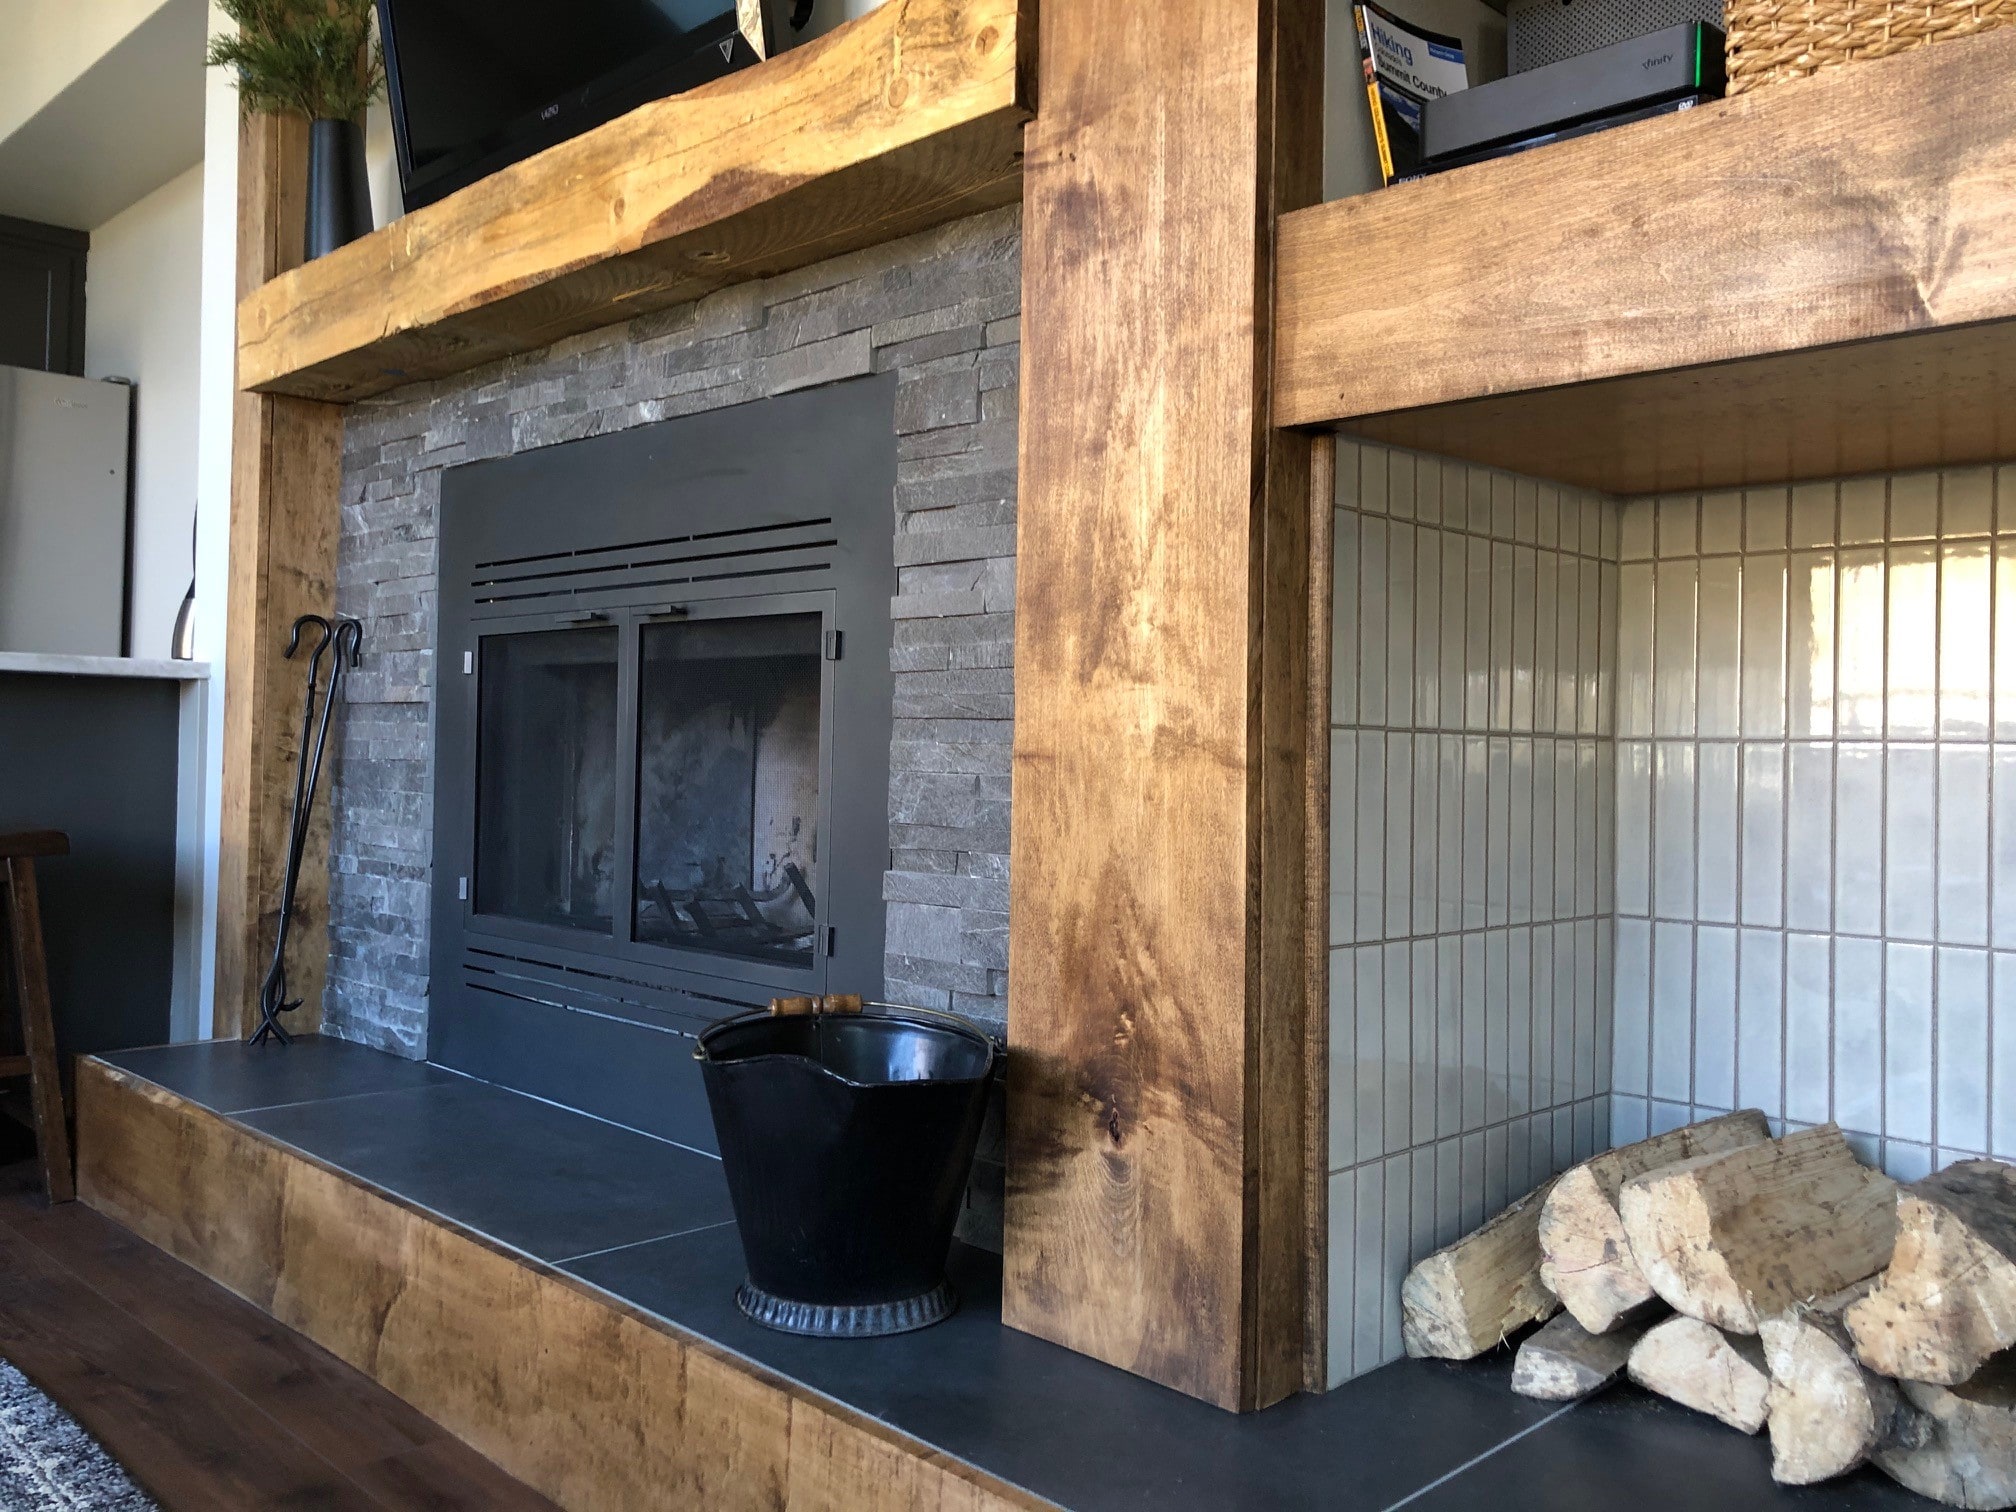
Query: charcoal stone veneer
x,y
941,311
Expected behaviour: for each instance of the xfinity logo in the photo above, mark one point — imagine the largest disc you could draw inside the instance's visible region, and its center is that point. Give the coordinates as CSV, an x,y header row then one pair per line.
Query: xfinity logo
x,y
1655,62
550,111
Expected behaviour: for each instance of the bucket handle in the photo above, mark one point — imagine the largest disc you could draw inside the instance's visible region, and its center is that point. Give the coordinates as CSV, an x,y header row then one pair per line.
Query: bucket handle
x,y
852,1002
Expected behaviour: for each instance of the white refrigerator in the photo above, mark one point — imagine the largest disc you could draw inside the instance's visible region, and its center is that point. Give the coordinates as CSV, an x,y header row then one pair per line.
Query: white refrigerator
x,y
64,527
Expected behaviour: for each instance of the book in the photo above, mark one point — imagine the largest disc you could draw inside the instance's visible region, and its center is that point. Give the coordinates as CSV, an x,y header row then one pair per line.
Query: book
x,y
1405,66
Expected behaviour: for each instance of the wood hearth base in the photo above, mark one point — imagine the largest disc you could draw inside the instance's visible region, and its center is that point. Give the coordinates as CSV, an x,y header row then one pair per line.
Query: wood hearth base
x,y
569,1389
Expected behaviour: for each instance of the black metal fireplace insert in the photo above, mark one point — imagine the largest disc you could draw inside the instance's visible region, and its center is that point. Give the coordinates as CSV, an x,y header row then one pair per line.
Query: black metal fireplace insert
x,y
661,744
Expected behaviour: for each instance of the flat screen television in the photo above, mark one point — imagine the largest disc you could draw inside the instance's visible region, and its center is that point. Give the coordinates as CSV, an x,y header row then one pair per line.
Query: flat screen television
x,y
478,84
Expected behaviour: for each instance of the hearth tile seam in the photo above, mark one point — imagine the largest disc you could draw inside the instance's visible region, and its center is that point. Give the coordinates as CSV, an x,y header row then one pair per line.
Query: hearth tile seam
x,y
316,1102
652,1239
582,1112
1475,1460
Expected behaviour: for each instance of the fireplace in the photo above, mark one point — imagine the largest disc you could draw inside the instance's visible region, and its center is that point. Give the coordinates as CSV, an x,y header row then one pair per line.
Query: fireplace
x,y
662,743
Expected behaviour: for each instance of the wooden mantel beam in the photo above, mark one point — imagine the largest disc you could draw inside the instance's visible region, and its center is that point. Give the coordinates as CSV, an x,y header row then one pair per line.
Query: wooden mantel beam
x,y
1155,1211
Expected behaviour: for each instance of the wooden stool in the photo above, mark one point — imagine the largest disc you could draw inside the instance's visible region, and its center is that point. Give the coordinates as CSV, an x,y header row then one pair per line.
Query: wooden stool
x,y
31,996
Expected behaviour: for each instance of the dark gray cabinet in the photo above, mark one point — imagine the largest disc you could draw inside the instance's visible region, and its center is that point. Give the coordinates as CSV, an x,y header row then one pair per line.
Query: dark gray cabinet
x,y
42,296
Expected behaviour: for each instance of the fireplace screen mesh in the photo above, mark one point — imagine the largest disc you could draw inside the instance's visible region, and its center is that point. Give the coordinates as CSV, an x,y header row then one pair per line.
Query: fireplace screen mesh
x,y
546,778
728,785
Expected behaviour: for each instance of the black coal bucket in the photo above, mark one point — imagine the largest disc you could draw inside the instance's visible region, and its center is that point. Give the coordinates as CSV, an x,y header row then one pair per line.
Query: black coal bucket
x,y
847,1139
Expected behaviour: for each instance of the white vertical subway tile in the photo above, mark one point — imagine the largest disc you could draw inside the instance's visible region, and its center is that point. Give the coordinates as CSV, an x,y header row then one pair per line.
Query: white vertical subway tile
x,y
1453,642
1497,1026
1399,1225
1421,1205
1341,1274
1500,653
1472,1147
1813,514
1858,839
1526,509
1399,836
1673,849
1544,780
1587,787
1809,645
1371,836
1428,628
1634,649
1765,511
1519,854
1398,1041
1858,1034
1600,996
1400,484
1428,489
1587,1003
1863,504
1858,693
1475,1017
1368,1302
1967,501
2002,841
1763,647
1546,589
1343,1059
1763,883
1679,518
1369,1057
1589,638
1343,832
1760,1020
1911,691
1963,1011
1426,848
1497,1180
1372,478
1399,711
1907,1043
2003,652
1606,837
1717,850
1567,644
1593,507
1906,1162
1962,868
1722,523
1424,1061
1672,1010
1914,506
1448,1035
1498,837
1809,837
1344,622
1606,663
1448,1192
1631,1003
1519,1019
1504,507
1627,1121
1449,833
1634,534
1715,1018
1566,1019
2002,1062
1634,827
1567,816
1610,511
1344,492
1524,578
1547,501
1966,634
1372,582
1476,821
1911,788
1673,636
1477,633
1809,994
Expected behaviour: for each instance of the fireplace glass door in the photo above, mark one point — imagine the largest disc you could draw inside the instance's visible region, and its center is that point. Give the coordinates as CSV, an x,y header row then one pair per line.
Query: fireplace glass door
x,y
729,755
546,778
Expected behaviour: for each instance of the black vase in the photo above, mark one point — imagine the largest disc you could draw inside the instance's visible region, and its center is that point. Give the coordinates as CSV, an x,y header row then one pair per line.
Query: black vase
x,y
339,195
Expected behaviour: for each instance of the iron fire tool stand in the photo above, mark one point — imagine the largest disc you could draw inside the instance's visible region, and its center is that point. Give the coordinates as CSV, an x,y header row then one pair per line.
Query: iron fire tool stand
x,y
346,638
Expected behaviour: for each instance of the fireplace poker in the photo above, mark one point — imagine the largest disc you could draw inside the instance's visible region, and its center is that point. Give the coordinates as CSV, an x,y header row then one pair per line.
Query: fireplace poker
x,y
346,639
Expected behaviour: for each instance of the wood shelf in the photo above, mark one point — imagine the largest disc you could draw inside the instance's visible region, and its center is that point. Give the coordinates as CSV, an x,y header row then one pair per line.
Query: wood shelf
x,y
1812,279
906,118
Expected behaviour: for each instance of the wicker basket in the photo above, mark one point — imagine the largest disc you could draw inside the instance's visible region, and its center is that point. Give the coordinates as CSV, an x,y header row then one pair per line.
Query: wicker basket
x,y
1771,40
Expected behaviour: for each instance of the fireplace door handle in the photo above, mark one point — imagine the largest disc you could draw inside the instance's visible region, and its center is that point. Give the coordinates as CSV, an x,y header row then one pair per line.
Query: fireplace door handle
x,y
585,617
669,611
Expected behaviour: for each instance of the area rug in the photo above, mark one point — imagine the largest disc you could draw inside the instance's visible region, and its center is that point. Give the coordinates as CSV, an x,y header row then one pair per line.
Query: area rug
x,y
49,1464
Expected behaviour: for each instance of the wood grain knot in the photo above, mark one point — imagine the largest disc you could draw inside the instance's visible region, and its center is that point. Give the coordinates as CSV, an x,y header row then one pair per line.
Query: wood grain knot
x,y
984,43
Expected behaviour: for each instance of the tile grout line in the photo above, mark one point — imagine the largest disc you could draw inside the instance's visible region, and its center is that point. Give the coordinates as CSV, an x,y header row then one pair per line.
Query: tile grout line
x,y
316,1102
649,1239
1476,1460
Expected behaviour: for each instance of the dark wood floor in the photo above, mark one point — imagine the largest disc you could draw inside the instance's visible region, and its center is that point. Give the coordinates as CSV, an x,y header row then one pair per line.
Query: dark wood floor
x,y
210,1404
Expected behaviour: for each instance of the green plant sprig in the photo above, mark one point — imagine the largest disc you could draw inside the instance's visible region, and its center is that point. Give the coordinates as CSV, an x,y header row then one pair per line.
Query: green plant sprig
x,y
313,58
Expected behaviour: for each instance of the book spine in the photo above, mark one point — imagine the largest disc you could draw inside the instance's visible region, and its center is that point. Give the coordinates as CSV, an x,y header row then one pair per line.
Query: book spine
x,y
1379,136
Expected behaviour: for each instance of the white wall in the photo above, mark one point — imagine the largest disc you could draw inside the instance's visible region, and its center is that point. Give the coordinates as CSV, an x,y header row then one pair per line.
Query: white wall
x,y
49,43
142,317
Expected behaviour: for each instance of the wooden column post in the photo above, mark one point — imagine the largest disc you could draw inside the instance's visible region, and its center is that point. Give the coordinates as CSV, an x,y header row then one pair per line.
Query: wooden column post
x,y
286,468
1156,1203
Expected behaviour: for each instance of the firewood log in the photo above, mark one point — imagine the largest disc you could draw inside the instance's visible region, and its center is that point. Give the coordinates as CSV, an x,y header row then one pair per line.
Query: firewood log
x,y
1697,1365
1957,1444
1563,1360
1475,1294
1948,1300
1736,1237
1585,1260
1828,1413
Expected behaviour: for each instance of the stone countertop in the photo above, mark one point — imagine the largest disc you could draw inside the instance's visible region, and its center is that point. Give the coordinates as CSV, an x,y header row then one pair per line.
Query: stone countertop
x,y
63,664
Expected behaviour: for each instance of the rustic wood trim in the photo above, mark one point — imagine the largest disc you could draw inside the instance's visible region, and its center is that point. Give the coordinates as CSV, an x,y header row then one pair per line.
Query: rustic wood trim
x,y
1156,1159
286,469
575,1392
1316,923
903,119
1851,207
38,1035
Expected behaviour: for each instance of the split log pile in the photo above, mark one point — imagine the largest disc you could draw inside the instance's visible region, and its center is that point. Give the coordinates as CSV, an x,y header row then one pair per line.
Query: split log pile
x,y
1774,1284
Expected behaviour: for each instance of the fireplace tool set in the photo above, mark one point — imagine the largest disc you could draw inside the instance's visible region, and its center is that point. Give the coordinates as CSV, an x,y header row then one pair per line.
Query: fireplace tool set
x,y
345,639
